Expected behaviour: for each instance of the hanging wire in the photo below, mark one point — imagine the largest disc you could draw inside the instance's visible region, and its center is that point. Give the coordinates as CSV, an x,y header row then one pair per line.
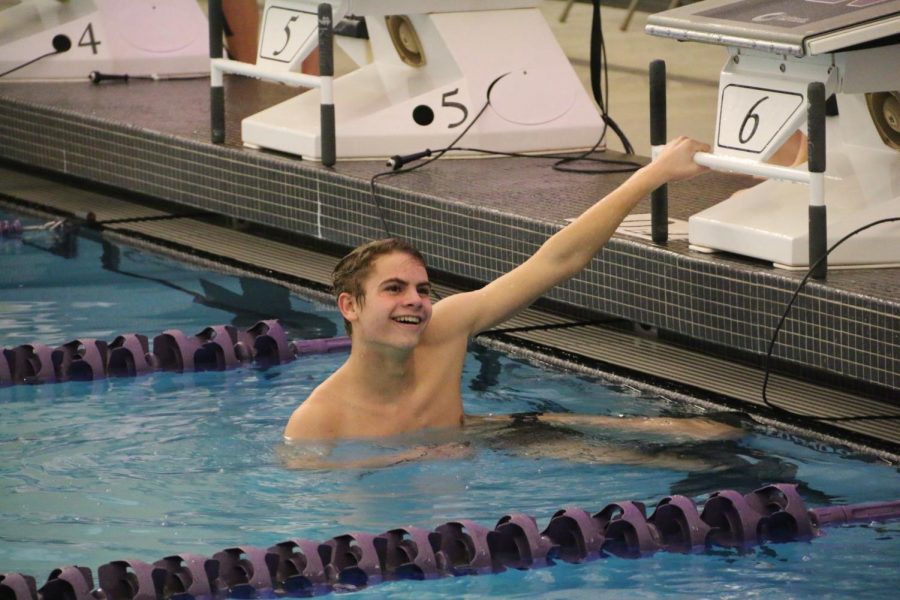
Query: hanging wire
x,y
781,321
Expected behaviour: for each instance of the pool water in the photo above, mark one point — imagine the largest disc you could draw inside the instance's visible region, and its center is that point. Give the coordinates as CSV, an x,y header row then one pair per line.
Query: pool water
x,y
142,468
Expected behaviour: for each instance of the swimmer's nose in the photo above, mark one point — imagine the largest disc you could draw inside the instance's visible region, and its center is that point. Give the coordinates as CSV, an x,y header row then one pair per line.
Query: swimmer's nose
x,y
412,297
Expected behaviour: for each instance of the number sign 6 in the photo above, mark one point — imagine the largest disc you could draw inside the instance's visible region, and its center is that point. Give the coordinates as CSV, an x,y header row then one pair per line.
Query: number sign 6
x,y
751,117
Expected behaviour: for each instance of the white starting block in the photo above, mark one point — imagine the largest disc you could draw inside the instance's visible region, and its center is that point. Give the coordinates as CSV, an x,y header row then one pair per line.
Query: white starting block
x,y
163,38
777,49
429,68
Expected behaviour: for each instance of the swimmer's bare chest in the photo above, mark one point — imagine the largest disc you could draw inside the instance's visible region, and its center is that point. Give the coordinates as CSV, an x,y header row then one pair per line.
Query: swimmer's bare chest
x,y
435,400
429,409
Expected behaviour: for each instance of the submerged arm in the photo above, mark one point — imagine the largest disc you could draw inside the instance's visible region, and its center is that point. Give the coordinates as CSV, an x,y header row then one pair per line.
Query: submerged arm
x,y
312,458
696,428
693,428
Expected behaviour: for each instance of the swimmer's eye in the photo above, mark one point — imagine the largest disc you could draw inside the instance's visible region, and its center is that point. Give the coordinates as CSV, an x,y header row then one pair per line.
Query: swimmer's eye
x,y
424,290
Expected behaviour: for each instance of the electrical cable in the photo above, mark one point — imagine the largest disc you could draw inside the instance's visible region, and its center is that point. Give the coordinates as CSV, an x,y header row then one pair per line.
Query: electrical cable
x,y
622,166
598,68
96,77
30,62
431,157
767,359
398,162
61,43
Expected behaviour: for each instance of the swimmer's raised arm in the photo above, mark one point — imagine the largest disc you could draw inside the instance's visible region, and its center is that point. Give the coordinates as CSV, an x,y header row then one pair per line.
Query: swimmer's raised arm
x,y
568,251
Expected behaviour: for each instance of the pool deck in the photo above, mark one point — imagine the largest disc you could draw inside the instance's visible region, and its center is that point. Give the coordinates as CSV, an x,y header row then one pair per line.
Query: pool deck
x,y
702,321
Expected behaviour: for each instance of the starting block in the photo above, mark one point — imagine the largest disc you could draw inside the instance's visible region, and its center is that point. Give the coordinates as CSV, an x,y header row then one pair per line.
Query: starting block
x,y
425,73
776,50
58,40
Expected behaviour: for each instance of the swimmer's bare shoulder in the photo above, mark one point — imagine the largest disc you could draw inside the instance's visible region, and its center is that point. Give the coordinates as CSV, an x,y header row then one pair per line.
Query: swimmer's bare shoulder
x,y
317,418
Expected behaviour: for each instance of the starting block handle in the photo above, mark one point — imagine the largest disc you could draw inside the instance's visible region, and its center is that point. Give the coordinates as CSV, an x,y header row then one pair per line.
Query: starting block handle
x,y
749,166
659,198
818,231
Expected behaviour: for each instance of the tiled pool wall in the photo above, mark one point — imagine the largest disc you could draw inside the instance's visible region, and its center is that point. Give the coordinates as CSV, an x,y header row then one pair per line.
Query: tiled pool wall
x,y
844,334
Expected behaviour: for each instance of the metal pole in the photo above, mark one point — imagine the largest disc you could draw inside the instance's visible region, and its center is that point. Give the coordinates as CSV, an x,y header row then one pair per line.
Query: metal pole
x,y
659,198
216,89
326,72
818,230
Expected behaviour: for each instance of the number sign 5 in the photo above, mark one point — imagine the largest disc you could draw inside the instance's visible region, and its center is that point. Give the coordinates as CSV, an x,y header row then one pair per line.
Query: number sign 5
x,y
751,117
283,33
455,105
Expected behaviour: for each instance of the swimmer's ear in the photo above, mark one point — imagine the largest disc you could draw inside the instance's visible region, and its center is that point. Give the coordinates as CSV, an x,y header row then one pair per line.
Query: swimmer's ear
x,y
348,305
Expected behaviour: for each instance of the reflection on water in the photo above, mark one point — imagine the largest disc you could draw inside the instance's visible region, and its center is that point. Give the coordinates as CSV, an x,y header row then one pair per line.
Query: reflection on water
x,y
256,299
98,471
489,371
264,300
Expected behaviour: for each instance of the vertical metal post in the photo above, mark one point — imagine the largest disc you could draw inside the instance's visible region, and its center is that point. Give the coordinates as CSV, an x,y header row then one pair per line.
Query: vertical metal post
x,y
326,72
818,230
216,83
659,198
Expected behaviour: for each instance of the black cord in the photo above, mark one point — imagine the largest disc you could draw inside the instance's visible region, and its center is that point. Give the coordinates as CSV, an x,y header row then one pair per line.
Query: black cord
x,y
436,155
780,324
60,42
622,166
30,62
600,67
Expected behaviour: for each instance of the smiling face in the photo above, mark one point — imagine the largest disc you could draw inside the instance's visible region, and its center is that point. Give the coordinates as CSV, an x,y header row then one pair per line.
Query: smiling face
x,y
396,305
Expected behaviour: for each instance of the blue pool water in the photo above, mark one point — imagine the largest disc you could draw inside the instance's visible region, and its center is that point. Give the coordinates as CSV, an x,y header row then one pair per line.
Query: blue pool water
x,y
146,467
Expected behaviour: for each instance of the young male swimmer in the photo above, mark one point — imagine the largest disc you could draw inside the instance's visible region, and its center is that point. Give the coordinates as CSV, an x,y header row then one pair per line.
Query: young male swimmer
x,y
404,371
